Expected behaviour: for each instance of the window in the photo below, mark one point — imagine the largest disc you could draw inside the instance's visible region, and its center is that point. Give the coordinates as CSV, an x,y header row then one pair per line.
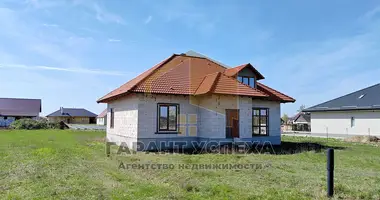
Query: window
x,y
260,121
112,118
352,122
251,82
247,80
167,117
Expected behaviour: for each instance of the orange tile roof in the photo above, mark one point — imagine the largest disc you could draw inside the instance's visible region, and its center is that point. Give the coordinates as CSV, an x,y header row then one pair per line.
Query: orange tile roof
x,y
130,84
274,94
103,113
235,70
189,75
207,84
229,85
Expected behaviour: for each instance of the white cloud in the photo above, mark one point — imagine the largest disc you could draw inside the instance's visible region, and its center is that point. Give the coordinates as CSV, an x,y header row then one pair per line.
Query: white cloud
x,y
50,25
113,40
104,16
372,13
323,70
73,70
147,20
43,4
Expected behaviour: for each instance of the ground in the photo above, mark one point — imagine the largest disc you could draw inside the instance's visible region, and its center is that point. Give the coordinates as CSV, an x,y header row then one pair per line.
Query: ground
x,y
72,165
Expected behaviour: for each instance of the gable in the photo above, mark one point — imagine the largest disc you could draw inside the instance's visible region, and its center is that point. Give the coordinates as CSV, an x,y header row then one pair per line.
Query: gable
x,y
247,72
303,118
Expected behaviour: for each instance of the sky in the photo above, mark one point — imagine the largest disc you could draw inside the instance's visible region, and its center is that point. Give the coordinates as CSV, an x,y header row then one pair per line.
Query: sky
x,y
70,53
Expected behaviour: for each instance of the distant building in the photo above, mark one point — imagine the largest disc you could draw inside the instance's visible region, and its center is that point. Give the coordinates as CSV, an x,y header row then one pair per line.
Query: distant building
x,y
73,116
102,118
12,109
298,122
357,113
301,122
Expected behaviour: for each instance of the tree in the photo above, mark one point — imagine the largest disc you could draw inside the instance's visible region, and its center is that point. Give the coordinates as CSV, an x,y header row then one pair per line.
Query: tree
x,y
302,107
285,118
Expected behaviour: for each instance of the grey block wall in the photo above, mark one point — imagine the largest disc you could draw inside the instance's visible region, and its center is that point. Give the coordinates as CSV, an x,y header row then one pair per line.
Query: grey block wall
x,y
201,118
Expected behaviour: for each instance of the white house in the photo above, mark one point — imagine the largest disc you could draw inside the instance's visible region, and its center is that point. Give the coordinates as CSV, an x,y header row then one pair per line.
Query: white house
x,y
101,119
188,100
357,113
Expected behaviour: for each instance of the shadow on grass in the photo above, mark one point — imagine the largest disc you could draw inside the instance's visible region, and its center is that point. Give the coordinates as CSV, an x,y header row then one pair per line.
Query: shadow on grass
x,y
300,147
285,148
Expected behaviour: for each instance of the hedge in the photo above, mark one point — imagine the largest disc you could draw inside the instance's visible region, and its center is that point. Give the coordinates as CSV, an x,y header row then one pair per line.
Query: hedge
x,y
31,124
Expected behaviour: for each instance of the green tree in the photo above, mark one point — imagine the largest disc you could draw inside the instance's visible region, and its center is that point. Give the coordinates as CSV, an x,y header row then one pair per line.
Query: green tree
x,y
285,118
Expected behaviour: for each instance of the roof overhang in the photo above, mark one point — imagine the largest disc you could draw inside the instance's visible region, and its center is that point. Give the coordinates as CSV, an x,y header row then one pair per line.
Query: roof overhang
x,y
342,109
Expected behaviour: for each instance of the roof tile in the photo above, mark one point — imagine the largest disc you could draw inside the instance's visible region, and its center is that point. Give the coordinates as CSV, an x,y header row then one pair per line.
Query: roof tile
x,y
191,75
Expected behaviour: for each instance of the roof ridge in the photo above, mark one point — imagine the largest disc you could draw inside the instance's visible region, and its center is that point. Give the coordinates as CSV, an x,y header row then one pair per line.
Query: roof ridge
x,y
171,69
154,68
207,58
213,83
159,65
378,84
238,68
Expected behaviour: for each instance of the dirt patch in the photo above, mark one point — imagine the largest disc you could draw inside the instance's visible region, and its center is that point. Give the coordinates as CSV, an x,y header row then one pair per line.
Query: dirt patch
x,y
99,139
363,139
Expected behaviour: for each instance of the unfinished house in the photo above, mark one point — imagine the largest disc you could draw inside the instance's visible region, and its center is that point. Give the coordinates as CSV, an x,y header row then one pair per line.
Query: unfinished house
x,y
189,99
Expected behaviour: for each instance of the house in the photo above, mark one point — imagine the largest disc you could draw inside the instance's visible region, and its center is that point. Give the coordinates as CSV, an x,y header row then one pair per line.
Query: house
x,y
73,116
188,100
101,119
301,122
12,109
357,113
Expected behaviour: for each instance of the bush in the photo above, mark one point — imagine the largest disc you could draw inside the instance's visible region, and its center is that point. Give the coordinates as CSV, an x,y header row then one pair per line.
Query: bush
x,y
31,124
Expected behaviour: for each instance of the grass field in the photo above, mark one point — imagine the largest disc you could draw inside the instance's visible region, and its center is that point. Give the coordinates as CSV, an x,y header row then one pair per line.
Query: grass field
x,y
56,164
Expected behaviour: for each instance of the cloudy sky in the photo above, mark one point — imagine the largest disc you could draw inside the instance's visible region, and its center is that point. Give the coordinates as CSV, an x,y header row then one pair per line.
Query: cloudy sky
x,y
70,53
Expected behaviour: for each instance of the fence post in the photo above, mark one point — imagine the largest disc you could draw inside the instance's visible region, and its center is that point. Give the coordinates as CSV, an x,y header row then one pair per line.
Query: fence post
x,y
330,172
347,132
369,131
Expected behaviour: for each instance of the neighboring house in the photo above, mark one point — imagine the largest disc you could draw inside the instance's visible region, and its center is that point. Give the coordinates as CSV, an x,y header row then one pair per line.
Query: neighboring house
x,y
189,100
301,122
357,113
101,119
12,109
73,116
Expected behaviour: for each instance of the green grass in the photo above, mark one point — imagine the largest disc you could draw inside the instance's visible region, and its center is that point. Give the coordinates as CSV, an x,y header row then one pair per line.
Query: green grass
x,y
55,164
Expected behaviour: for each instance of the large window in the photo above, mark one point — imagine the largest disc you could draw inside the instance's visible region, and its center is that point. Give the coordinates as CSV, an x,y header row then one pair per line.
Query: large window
x,y
260,121
167,117
247,80
112,118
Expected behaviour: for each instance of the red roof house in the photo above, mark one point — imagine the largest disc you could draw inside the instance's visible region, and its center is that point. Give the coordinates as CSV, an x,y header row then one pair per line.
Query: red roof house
x,y
187,98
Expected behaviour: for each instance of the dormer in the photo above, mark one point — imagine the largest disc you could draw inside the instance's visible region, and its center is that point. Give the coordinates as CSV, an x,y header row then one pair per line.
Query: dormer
x,y
246,74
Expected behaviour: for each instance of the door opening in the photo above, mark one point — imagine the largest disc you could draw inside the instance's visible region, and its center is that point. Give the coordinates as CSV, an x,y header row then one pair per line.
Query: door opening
x,y
232,123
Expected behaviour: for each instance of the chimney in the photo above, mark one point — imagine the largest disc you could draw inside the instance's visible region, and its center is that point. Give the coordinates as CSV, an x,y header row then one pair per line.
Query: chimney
x,y
61,108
